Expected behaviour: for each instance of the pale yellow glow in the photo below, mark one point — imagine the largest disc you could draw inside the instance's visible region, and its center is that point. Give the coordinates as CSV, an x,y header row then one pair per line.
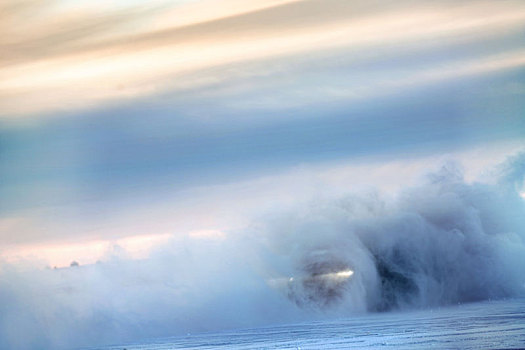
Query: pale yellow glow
x,y
160,55
522,194
88,252
178,58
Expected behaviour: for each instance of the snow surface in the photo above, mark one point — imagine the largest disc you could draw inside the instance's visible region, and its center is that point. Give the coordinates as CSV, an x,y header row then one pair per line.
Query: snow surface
x,y
484,325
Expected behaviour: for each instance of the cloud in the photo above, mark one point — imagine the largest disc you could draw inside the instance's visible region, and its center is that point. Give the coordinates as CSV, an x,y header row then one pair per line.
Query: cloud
x,y
99,60
441,242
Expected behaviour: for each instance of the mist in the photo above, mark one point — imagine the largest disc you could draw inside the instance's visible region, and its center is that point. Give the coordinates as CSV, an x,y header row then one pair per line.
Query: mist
x,y
444,241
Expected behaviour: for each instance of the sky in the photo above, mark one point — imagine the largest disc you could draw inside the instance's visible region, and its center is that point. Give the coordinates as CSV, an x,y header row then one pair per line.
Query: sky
x,y
127,127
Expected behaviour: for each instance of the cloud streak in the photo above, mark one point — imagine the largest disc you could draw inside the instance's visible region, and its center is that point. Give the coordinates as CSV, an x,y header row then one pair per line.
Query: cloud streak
x,y
148,61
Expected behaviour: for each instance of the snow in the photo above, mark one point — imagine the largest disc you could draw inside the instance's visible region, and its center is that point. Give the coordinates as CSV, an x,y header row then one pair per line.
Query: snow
x,y
489,324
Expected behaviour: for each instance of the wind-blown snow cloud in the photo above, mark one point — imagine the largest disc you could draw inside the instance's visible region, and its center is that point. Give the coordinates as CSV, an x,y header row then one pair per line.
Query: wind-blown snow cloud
x,y
441,242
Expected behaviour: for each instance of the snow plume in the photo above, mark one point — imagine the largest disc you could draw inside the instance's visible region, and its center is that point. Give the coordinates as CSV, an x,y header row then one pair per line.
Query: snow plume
x,y
445,241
